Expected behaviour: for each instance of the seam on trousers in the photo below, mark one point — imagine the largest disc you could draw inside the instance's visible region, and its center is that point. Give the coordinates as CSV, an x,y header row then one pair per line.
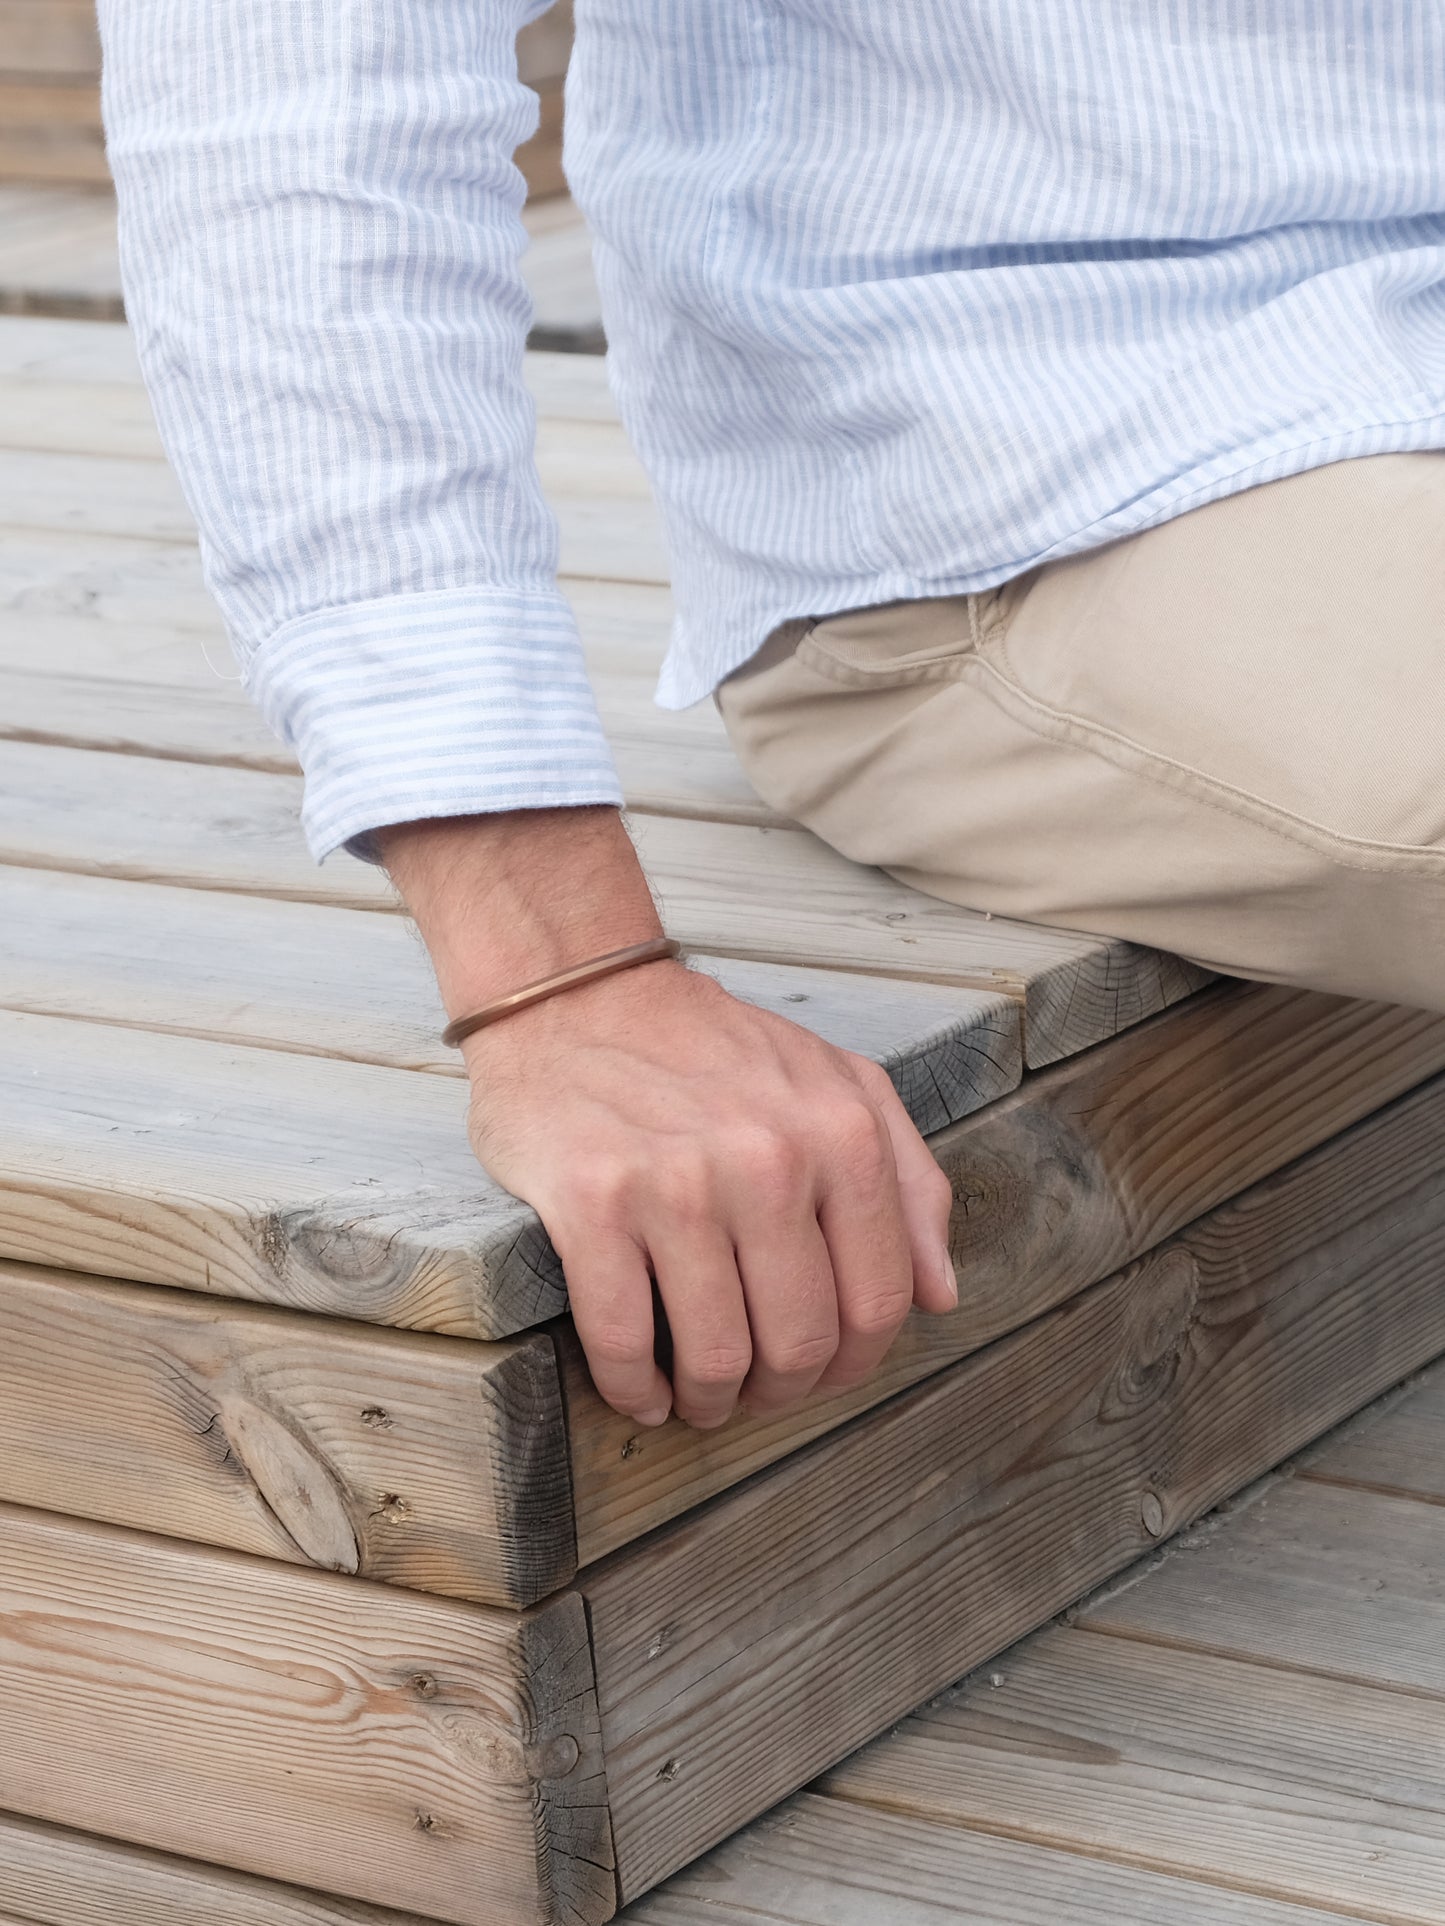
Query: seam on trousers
x,y
1060,725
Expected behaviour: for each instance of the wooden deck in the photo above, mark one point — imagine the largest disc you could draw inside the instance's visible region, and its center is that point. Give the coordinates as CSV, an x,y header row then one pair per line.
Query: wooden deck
x,y
325,1567
58,256
1246,1732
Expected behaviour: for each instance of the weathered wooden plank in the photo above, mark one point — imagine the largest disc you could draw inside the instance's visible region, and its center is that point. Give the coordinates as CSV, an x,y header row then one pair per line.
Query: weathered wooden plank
x,y
114,607
775,895
49,37
321,1185
1343,1583
58,252
410,1751
821,1862
46,349
1399,1450
680,764
332,1187
427,1462
741,1649
1090,1165
567,306
66,1878
612,532
51,130
304,977
576,455
1314,1790
120,608
98,418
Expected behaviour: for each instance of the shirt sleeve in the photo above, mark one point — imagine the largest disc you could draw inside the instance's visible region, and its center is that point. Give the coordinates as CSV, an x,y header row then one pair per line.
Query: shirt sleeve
x,y
320,236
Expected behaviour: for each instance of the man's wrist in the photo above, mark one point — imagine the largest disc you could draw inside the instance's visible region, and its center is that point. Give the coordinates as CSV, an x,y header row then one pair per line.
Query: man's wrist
x,y
504,900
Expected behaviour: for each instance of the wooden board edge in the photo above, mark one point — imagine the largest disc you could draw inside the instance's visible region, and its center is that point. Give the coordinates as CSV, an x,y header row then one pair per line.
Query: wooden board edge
x,y
1152,1307
536,1522
61,1877
197,1428
1085,1000
576,1859
1050,1200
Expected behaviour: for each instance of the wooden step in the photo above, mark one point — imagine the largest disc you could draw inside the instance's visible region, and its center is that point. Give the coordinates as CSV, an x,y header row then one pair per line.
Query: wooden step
x,y
419,1753
416,1752
821,1862
66,1878
338,983
257,1429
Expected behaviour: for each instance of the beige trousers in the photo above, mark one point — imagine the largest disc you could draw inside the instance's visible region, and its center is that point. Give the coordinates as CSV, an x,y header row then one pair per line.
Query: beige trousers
x,y
1224,737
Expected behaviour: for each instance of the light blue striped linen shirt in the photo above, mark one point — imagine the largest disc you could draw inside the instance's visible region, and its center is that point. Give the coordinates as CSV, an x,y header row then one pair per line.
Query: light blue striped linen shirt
x,y
903,297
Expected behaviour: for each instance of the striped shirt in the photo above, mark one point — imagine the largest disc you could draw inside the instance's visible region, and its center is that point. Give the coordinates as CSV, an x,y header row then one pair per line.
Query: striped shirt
x,y
903,298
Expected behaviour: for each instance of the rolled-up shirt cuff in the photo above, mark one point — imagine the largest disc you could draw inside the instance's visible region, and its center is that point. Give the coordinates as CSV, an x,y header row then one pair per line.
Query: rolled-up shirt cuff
x,y
456,702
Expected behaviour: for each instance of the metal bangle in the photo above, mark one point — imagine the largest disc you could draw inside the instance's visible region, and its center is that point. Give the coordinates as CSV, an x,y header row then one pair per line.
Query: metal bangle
x,y
655,950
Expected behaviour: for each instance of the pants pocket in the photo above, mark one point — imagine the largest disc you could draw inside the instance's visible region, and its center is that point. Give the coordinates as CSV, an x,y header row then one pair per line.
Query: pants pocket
x,y
894,645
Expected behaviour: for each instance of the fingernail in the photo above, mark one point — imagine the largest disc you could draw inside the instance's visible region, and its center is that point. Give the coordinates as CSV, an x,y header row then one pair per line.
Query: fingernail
x,y
950,1277
659,1414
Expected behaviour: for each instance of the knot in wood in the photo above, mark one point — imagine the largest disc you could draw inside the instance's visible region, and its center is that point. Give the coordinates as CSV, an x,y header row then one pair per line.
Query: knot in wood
x,y
553,1758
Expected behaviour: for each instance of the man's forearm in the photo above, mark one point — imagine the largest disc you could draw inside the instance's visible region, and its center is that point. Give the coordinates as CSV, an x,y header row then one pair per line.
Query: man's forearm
x,y
501,900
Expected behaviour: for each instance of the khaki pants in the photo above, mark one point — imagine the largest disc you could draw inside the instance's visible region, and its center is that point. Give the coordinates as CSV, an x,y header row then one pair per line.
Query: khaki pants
x,y
1224,737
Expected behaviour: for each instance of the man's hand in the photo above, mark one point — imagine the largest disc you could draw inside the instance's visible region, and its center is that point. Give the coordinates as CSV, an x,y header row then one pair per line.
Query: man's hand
x,y
772,1187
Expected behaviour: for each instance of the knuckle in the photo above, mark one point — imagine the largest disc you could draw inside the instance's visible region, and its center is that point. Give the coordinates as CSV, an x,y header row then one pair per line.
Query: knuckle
x,y
720,1366
683,1186
857,1140
771,1161
618,1346
879,1312
801,1357
602,1186
873,1077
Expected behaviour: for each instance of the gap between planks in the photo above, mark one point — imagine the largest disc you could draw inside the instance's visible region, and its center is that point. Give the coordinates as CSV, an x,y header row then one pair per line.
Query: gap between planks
x,y
726,889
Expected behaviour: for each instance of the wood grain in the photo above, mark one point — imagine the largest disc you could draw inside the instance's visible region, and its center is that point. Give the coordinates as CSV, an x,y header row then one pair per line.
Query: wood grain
x,y
250,1174
66,1878
610,532
392,1748
343,984
52,37
823,1862
1318,1577
131,610
564,387
321,1185
576,454
50,130
1088,1166
776,895
421,1461
678,763
742,1649
561,277
1400,1450
1259,1780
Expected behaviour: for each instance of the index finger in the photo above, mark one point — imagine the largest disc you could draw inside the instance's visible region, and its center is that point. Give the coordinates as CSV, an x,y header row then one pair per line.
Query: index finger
x,y
610,1291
